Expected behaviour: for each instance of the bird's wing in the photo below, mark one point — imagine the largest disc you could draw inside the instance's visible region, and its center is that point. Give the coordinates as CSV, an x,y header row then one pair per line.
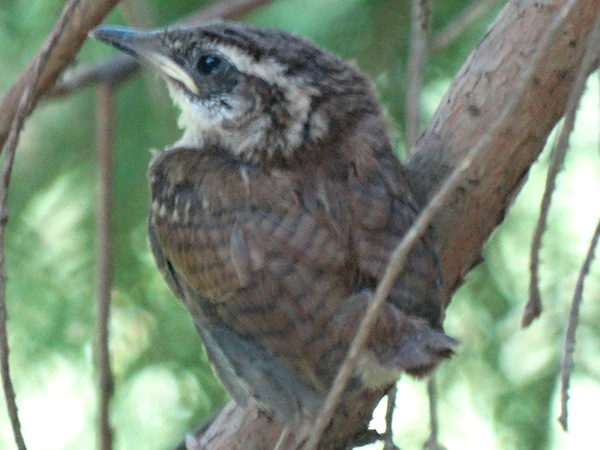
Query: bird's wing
x,y
384,210
262,275
268,262
409,334
245,368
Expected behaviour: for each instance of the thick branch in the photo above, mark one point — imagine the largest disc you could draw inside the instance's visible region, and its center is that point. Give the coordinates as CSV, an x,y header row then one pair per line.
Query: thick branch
x,y
476,99
480,89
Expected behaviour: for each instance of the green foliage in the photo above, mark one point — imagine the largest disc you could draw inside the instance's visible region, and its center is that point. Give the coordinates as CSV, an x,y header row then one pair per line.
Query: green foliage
x,y
500,390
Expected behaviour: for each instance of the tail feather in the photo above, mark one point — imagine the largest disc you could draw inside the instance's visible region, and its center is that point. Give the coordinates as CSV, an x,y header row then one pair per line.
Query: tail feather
x,y
422,352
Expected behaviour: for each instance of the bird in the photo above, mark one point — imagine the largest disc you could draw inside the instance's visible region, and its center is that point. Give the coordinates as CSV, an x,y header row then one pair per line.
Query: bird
x,y
274,216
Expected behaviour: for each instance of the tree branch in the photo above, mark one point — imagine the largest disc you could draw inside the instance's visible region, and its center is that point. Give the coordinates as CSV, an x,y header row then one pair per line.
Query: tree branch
x,y
484,84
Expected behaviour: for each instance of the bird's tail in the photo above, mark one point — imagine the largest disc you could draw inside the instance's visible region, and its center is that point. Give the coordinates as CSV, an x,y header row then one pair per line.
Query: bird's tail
x,y
421,353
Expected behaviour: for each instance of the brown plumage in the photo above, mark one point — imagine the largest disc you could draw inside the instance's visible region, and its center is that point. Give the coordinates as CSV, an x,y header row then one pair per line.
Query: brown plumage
x,y
274,217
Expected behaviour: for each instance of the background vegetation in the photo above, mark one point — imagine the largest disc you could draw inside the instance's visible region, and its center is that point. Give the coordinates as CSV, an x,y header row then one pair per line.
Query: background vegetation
x,y
499,392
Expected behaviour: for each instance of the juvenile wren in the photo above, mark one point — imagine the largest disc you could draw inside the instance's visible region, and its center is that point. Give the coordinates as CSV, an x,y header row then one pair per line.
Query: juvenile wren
x,y
273,218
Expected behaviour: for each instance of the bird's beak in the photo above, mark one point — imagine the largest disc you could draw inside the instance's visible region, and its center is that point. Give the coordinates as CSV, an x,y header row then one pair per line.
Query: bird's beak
x,y
146,46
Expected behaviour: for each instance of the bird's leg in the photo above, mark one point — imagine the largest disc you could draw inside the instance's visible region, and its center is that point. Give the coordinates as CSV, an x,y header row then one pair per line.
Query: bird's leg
x,y
388,436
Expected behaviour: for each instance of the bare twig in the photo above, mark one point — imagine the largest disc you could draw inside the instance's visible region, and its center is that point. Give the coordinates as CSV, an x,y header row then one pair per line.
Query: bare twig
x,y
119,68
112,72
569,346
398,258
105,120
421,18
533,308
23,107
432,442
62,51
468,16
105,115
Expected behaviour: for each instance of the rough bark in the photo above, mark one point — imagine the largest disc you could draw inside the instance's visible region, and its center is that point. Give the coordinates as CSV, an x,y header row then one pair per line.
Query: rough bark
x,y
474,101
479,91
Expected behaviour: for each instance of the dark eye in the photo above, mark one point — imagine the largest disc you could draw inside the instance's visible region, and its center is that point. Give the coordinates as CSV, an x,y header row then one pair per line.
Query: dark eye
x,y
208,64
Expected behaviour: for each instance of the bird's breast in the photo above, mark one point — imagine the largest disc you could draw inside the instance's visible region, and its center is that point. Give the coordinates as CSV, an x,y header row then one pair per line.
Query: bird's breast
x,y
195,203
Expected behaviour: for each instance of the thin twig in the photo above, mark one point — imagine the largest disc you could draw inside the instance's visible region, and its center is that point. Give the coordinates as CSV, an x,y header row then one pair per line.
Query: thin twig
x,y
118,68
105,121
533,308
114,71
569,346
432,442
105,115
9,158
398,258
421,18
462,22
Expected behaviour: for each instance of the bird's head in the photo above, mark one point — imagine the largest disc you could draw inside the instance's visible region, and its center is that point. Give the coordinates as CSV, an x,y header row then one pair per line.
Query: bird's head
x,y
256,92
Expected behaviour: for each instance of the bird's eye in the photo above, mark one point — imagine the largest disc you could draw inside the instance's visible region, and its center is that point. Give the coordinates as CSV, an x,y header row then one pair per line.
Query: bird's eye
x,y
208,64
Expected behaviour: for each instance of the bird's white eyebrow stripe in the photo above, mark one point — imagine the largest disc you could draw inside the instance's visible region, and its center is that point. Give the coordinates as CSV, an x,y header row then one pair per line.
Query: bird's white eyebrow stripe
x,y
273,72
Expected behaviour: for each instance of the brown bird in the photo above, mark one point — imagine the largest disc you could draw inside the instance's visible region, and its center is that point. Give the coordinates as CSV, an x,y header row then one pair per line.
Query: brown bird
x,y
273,218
